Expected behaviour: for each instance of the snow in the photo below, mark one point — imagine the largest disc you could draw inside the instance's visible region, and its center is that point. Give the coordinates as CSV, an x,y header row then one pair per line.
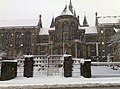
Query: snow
x,y
117,30
58,81
66,55
90,30
9,60
25,22
101,76
52,77
45,31
28,56
66,12
109,19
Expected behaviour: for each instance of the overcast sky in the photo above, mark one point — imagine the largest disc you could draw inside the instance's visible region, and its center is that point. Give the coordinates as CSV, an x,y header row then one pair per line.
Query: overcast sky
x,y
30,9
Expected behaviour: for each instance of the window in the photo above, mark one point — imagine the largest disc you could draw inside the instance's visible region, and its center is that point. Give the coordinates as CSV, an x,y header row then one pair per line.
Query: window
x,y
72,30
27,38
17,39
65,26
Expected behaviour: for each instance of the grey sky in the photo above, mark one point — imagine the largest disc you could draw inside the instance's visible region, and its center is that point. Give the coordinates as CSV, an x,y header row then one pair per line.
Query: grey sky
x,y
30,9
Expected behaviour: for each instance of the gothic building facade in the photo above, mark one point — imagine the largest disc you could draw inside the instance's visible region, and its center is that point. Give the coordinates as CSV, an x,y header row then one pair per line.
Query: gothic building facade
x,y
65,35
106,26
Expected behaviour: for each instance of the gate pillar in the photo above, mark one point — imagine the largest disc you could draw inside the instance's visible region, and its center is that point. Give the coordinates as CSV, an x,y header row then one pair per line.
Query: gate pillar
x,y
68,66
86,68
28,66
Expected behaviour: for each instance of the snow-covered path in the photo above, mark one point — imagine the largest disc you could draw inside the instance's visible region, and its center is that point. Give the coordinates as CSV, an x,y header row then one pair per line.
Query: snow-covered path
x,y
58,81
101,76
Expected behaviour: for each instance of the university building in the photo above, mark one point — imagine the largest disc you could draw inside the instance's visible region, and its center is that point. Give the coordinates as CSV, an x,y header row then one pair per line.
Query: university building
x,y
65,35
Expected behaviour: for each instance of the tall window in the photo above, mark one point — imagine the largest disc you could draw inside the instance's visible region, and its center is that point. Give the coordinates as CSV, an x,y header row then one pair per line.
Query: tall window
x,y
17,39
72,30
27,38
65,26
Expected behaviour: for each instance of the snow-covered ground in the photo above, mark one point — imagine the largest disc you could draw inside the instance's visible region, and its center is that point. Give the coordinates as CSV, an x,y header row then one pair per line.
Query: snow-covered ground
x,y
101,76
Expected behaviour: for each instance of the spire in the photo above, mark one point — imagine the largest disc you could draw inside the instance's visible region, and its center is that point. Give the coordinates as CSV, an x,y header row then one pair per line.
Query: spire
x,y
96,19
85,23
40,22
78,20
71,7
74,13
52,23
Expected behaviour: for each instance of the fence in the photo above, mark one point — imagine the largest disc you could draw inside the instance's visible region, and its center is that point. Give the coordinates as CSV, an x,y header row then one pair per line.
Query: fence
x,y
53,65
44,65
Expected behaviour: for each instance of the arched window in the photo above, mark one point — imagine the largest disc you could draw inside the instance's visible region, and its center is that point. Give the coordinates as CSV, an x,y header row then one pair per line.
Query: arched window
x,y
72,26
72,30
65,26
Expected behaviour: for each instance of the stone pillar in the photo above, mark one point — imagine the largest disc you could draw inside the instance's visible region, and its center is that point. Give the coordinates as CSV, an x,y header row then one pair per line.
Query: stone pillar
x,y
28,66
8,70
86,68
68,66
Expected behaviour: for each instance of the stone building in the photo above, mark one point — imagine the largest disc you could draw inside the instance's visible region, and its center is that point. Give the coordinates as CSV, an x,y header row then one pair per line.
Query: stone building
x,y
65,35
16,41
106,26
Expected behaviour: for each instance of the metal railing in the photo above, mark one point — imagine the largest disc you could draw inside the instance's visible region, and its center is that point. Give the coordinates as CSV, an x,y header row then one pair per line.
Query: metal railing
x,y
44,65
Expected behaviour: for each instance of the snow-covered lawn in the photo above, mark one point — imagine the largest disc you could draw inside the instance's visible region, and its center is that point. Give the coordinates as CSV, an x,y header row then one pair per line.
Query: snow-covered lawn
x,y
101,76
59,81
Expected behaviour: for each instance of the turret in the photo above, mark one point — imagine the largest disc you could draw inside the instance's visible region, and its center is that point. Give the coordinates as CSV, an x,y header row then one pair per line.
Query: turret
x,y
74,13
52,23
85,23
96,19
40,22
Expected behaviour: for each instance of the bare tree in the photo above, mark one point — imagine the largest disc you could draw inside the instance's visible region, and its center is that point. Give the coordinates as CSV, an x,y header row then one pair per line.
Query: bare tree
x,y
115,40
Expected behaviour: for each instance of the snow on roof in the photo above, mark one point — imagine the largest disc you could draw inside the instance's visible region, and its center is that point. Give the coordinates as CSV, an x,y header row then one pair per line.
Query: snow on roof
x,y
109,19
6,23
117,30
20,27
66,12
52,28
28,56
45,31
9,60
90,30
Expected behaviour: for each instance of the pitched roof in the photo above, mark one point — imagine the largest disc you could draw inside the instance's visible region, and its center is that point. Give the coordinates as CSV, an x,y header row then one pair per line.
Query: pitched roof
x,y
45,31
13,23
90,30
108,19
66,11
117,30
